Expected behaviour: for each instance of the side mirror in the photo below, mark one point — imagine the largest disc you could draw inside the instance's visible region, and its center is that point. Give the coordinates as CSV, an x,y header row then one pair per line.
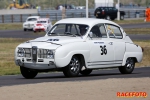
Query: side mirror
x,y
90,34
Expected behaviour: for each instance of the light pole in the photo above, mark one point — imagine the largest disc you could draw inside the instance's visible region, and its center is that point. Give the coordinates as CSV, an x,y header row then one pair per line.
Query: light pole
x,y
118,14
86,8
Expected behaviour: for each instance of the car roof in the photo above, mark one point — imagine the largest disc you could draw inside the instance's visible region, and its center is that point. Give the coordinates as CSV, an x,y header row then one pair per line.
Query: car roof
x,y
34,17
87,21
43,19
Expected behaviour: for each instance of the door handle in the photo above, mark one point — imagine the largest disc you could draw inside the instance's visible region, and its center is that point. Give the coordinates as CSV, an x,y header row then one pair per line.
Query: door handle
x,y
111,43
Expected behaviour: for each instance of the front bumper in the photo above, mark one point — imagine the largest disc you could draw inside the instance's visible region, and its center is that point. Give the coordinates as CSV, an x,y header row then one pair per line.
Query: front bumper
x,y
39,29
48,64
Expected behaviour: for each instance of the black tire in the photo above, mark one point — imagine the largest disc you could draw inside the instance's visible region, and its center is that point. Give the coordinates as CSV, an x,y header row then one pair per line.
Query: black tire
x,y
129,66
121,17
86,72
25,29
28,73
112,18
73,68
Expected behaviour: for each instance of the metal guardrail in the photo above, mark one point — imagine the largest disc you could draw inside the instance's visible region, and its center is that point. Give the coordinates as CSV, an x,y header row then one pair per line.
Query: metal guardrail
x,y
56,15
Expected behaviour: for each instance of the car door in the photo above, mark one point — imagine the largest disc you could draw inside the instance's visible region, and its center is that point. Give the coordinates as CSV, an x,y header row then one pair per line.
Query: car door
x,y
101,48
116,36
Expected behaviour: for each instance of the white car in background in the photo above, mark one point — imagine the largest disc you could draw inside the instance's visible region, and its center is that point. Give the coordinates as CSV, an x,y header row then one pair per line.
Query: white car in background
x,y
79,45
29,23
42,24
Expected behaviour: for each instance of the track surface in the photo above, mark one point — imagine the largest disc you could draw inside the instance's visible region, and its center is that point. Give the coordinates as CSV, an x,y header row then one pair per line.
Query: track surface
x,y
59,77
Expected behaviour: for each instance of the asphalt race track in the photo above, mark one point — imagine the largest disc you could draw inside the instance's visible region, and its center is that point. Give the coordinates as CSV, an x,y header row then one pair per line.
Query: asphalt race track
x,y
30,34
59,77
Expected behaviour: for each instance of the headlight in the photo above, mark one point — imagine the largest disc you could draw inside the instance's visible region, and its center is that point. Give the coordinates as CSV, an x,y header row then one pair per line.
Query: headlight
x,y
50,54
21,52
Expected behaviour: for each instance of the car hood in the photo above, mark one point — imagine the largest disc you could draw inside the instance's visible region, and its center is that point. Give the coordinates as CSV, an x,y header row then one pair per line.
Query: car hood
x,y
58,40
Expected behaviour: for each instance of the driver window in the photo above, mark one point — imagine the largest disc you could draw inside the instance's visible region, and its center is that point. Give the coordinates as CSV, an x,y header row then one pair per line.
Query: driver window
x,y
99,31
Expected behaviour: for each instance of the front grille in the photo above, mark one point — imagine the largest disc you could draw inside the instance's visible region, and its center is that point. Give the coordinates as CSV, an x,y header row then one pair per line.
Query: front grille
x,y
34,53
27,52
42,53
30,52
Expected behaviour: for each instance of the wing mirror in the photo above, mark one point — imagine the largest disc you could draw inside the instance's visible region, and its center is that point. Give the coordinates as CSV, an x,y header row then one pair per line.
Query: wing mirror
x,y
90,34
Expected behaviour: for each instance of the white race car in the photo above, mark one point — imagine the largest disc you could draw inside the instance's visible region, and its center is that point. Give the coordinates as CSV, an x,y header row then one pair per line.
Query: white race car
x,y
42,24
29,23
79,45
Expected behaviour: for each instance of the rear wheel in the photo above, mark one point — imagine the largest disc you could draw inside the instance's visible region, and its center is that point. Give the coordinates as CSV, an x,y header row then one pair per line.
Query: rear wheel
x,y
122,17
25,29
73,68
28,73
86,72
129,66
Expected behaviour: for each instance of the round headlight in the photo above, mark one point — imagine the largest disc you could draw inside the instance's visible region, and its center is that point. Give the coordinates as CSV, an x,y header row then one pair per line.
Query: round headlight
x,y
20,52
50,54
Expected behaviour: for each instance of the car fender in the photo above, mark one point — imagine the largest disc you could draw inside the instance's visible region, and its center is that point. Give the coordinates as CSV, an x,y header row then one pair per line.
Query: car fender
x,y
64,53
133,51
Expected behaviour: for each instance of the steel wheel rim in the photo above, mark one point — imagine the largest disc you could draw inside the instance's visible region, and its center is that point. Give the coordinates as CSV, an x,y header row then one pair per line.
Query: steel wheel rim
x,y
108,18
130,64
74,65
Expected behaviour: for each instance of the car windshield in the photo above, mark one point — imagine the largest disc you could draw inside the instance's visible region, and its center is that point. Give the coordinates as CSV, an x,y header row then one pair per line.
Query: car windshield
x,y
68,30
32,19
41,21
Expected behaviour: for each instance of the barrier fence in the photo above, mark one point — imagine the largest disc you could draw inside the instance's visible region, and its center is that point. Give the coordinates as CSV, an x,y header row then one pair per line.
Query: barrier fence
x,y
57,16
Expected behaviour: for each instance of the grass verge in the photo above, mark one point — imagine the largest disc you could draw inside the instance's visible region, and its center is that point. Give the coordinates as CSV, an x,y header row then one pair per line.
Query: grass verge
x,y
8,45
138,31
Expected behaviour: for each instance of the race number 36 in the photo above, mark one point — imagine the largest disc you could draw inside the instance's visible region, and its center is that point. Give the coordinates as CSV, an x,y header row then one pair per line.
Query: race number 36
x,y
103,49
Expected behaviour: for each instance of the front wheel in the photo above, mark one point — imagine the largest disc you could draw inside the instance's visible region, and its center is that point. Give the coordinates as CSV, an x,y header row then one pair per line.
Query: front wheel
x,y
73,68
25,29
129,66
28,73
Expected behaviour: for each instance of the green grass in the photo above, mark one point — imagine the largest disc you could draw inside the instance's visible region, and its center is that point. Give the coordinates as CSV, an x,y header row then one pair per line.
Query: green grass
x,y
7,65
11,26
146,54
8,45
134,21
138,31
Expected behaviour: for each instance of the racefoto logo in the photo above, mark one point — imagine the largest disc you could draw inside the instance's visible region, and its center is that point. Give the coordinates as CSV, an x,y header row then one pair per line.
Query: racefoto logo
x,y
132,94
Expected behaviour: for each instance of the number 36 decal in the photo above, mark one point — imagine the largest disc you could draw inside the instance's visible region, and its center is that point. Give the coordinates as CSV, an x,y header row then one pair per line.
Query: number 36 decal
x,y
103,49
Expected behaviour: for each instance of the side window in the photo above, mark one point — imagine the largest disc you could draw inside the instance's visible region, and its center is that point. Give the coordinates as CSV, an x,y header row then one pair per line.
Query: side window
x,y
103,31
114,31
99,31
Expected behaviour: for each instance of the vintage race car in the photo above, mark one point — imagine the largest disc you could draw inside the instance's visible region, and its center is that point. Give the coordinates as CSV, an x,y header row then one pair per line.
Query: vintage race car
x,y
29,23
42,24
79,45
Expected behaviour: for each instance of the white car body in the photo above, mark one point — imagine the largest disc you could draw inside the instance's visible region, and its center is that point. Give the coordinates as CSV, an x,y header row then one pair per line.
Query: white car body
x,y
74,54
29,23
42,24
